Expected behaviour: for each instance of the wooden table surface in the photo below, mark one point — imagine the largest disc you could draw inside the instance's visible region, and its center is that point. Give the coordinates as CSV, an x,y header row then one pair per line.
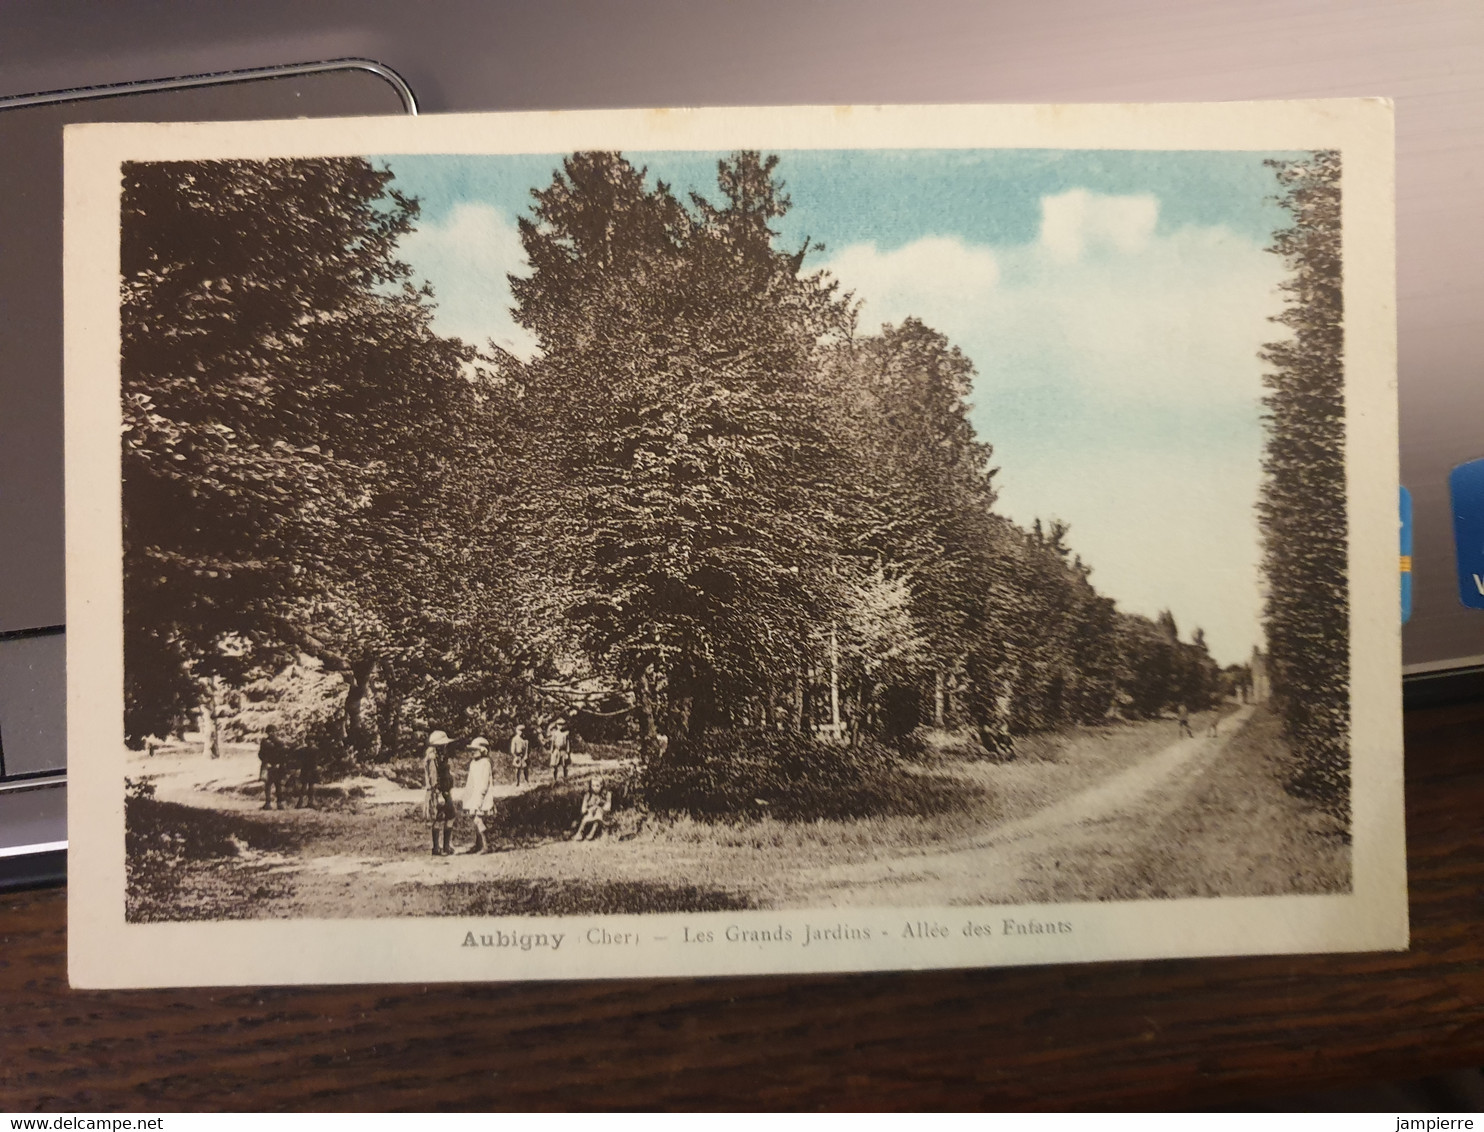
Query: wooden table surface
x,y
1161,1034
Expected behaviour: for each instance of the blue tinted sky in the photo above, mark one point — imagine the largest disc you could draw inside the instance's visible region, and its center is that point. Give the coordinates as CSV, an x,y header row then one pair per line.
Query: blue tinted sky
x,y
892,197
1112,302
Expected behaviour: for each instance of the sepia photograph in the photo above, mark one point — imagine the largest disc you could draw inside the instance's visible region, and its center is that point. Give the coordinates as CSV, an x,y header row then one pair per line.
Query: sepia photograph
x,y
692,540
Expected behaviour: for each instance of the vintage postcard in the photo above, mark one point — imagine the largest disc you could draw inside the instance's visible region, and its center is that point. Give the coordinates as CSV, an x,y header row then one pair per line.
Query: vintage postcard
x,y
602,544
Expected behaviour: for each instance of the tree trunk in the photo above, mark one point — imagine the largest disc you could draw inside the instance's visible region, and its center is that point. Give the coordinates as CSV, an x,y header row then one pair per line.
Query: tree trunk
x,y
808,703
362,737
648,732
938,694
835,682
211,733
389,719
211,721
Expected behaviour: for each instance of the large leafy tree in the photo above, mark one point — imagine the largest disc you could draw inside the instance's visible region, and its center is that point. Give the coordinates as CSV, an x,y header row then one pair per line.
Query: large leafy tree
x,y
1303,504
921,490
1015,637
933,471
298,450
680,482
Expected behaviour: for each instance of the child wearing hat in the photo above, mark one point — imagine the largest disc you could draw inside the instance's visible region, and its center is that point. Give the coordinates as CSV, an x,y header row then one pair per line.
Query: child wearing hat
x,y
438,781
479,794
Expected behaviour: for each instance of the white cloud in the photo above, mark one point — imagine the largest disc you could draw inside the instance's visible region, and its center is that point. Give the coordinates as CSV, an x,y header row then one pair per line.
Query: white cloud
x,y
1075,220
466,257
1176,318
941,274
1158,333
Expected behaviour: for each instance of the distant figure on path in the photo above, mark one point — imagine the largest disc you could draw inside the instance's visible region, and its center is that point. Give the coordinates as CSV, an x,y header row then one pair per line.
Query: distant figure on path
x,y
1215,719
520,754
479,794
561,752
306,762
273,765
438,780
596,804
1184,713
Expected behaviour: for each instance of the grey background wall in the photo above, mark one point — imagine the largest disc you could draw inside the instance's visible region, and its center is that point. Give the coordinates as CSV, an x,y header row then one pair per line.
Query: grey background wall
x,y
468,55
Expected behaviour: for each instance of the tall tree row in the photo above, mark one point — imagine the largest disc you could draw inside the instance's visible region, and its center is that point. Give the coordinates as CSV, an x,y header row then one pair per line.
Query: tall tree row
x,y
1303,505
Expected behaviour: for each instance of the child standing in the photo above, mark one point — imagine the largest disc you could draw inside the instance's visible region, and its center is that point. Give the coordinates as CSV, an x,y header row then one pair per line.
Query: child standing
x,y
1184,714
561,750
438,781
479,794
520,754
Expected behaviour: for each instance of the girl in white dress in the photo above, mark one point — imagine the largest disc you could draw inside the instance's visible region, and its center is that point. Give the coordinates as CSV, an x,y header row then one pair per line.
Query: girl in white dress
x,y
479,794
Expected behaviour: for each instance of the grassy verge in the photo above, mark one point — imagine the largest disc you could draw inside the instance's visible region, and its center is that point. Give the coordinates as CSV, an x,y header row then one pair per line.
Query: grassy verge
x,y
1246,834
184,863
1238,832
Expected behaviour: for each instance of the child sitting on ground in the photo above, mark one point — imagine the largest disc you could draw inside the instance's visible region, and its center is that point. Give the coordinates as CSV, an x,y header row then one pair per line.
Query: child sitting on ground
x,y
596,803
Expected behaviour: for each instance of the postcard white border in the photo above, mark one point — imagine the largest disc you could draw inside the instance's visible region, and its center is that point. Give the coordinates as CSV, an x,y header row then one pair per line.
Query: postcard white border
x,y
106,951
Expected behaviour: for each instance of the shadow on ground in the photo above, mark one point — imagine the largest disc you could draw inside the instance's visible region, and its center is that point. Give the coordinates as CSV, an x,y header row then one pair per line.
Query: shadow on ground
x,y
183,863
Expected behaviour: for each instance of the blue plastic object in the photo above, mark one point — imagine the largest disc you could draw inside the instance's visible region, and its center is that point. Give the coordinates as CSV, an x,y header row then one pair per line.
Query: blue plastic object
x,y
1466,488
1406,555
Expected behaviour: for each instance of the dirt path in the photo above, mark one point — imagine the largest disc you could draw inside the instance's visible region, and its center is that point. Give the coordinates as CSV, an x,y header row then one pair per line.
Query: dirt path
x,y
364,849
1077,820
992,868
192,778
